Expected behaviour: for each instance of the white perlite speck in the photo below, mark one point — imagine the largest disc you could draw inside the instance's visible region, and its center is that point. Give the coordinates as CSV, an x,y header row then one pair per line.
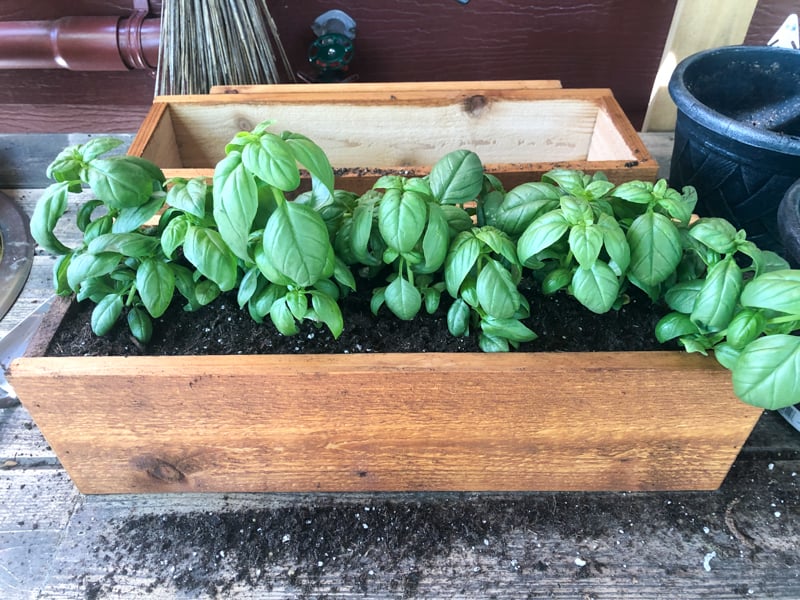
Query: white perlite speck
x,y
580,562
707,560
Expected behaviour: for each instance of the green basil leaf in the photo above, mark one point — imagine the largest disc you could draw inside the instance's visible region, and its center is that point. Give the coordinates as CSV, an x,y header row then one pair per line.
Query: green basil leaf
x,y
431,297
576,210
140,324
248,287
361,233
767,373
296,243
206,292
598,189
66,166
499,242
264,264
155,282
585,242
497,292
775,290
105,314
615,242
343,274
596,287
174,235
130,219
510,329
457,177
682,296
96,289
542,233
263,300
271,160
328,312
120,182
297,302
726,355
282,317
460,260
186,284
206,250
189,196
572,182
98,227
716,302
656,248
60,275
556,280
127,244
637,192
718,234
84,217
378,300
235,203
401,219
403,299
675,325
745,327
678,206
490,343
458,318
523,204
311,156
97,146
49,209
85,266
458,219
435,242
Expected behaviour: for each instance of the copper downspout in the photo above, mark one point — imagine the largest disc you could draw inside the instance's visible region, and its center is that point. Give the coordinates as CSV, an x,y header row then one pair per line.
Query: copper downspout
x,y
81,43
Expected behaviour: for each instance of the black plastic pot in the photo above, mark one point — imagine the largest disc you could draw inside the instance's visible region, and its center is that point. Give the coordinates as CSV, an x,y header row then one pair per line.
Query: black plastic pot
x,y
789,224
737,137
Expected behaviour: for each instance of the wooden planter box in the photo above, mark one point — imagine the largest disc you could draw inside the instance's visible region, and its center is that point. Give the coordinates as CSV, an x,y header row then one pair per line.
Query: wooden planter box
x,y
520,129
385,422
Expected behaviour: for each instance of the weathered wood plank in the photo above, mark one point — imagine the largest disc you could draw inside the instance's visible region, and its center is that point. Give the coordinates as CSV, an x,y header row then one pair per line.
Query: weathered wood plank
x,y
387,422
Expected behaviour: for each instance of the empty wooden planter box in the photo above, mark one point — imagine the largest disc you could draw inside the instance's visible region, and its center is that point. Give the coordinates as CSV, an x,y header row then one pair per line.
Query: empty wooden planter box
x,y
520,129
385,422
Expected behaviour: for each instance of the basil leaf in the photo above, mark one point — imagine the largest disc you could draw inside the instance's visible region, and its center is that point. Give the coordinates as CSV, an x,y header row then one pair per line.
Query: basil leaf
x,y
85,266
682,296
615,242
497,292
206,250
140,324
745,327
435,242
585,242
311,156
457,177
675,325
510,329
282,317
128,244
774,290
328,312
49,209
130,219
403,299
235,203
716,301
656,248
541,234
271,160
523,204
155,282
296,243
718,234
596,287
105,314
119,182
401,219
174,235
189,196
460,260
768,371
97,146
458,318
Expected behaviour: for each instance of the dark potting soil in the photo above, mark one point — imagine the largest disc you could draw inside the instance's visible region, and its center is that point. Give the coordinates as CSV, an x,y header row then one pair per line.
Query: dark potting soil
x,y
561,323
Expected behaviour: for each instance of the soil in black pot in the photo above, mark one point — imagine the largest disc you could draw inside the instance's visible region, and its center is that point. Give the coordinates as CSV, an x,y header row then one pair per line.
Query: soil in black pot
x,y
561,323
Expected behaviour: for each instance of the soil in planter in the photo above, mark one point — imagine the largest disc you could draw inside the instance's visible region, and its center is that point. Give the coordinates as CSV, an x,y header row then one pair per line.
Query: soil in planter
x,y
561,323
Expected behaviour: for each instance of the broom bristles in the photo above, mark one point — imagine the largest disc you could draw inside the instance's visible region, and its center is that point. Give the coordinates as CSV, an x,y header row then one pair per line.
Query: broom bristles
x,y
218,42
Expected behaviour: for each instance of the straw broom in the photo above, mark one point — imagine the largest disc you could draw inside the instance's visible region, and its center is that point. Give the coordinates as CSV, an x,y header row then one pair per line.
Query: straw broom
x,y
218,42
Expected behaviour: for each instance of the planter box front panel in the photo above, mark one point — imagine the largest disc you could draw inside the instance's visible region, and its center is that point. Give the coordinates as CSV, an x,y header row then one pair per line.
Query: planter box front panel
x,y
520,130
566,421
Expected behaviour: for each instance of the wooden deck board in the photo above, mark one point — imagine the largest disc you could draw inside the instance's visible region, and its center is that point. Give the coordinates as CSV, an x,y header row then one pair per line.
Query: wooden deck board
x,y
57,544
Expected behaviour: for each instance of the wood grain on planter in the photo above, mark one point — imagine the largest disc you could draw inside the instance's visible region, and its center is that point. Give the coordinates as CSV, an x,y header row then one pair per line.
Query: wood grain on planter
x,y
543,421
521,129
